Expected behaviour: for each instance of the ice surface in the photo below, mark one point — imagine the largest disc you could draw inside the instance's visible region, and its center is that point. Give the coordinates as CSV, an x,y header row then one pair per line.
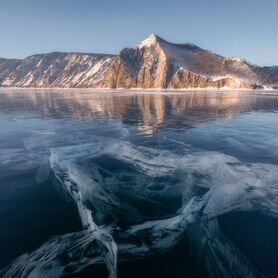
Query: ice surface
x,y
80,171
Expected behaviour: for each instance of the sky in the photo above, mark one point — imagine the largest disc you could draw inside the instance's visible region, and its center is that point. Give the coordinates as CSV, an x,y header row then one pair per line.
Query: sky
x,y
233,28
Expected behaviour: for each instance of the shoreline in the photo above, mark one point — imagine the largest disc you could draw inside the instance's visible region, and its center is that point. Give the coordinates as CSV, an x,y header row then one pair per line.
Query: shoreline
x,y
160,90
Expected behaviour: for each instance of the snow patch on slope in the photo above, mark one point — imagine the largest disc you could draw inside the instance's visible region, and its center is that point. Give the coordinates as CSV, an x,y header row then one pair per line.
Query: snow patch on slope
x,y
151,40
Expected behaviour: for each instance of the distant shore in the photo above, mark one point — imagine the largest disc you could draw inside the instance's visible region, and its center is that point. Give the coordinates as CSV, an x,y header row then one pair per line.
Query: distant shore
x,y
137,89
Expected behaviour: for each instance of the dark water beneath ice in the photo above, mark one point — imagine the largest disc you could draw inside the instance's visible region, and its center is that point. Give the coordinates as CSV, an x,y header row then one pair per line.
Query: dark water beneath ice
x,y
138,184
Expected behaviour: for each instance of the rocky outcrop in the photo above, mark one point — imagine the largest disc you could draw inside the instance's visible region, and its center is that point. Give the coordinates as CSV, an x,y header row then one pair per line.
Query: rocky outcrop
x,y
188,80
154,63
118,76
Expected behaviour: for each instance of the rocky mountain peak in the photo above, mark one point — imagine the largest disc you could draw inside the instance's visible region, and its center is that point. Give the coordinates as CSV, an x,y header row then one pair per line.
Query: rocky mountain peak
x,y
152,40
154,63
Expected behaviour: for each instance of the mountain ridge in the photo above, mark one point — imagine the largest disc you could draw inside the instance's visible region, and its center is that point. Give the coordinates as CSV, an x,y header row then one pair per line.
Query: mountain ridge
x,y
153,63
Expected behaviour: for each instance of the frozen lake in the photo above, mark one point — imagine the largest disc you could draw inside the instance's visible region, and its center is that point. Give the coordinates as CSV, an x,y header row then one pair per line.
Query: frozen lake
x,y
133,184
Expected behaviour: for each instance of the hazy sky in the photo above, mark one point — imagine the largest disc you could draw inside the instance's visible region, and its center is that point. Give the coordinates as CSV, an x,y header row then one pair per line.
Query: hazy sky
x,y
233,28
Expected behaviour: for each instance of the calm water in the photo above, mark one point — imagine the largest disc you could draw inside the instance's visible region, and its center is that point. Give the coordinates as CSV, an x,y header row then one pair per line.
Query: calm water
x,y
132,184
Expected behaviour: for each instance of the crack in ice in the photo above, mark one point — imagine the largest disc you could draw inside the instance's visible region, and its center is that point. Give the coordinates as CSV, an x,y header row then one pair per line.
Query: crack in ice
x,y
227,185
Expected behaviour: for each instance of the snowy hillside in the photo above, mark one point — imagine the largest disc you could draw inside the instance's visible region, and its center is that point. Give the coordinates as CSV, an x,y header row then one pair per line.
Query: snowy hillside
x,y
154,63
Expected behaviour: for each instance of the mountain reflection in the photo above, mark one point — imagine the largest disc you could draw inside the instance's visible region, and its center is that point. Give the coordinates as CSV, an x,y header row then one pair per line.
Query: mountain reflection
x,y
148,112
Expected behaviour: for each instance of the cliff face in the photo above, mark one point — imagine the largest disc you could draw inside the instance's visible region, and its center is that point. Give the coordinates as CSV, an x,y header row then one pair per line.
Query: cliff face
x,y
189,79
154,63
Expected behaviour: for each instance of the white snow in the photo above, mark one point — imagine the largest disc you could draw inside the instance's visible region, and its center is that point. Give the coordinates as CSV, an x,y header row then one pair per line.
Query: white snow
x,y
235,59
151,40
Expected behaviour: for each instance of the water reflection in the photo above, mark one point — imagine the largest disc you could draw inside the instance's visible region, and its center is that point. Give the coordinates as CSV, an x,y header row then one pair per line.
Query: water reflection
x,y
149,112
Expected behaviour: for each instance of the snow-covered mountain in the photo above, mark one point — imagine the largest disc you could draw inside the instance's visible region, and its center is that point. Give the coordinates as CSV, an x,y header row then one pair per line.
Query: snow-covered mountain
x,y
55,70
154,63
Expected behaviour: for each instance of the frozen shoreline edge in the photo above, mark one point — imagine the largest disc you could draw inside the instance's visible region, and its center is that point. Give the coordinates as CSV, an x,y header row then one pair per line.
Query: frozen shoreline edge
x,y
140,90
